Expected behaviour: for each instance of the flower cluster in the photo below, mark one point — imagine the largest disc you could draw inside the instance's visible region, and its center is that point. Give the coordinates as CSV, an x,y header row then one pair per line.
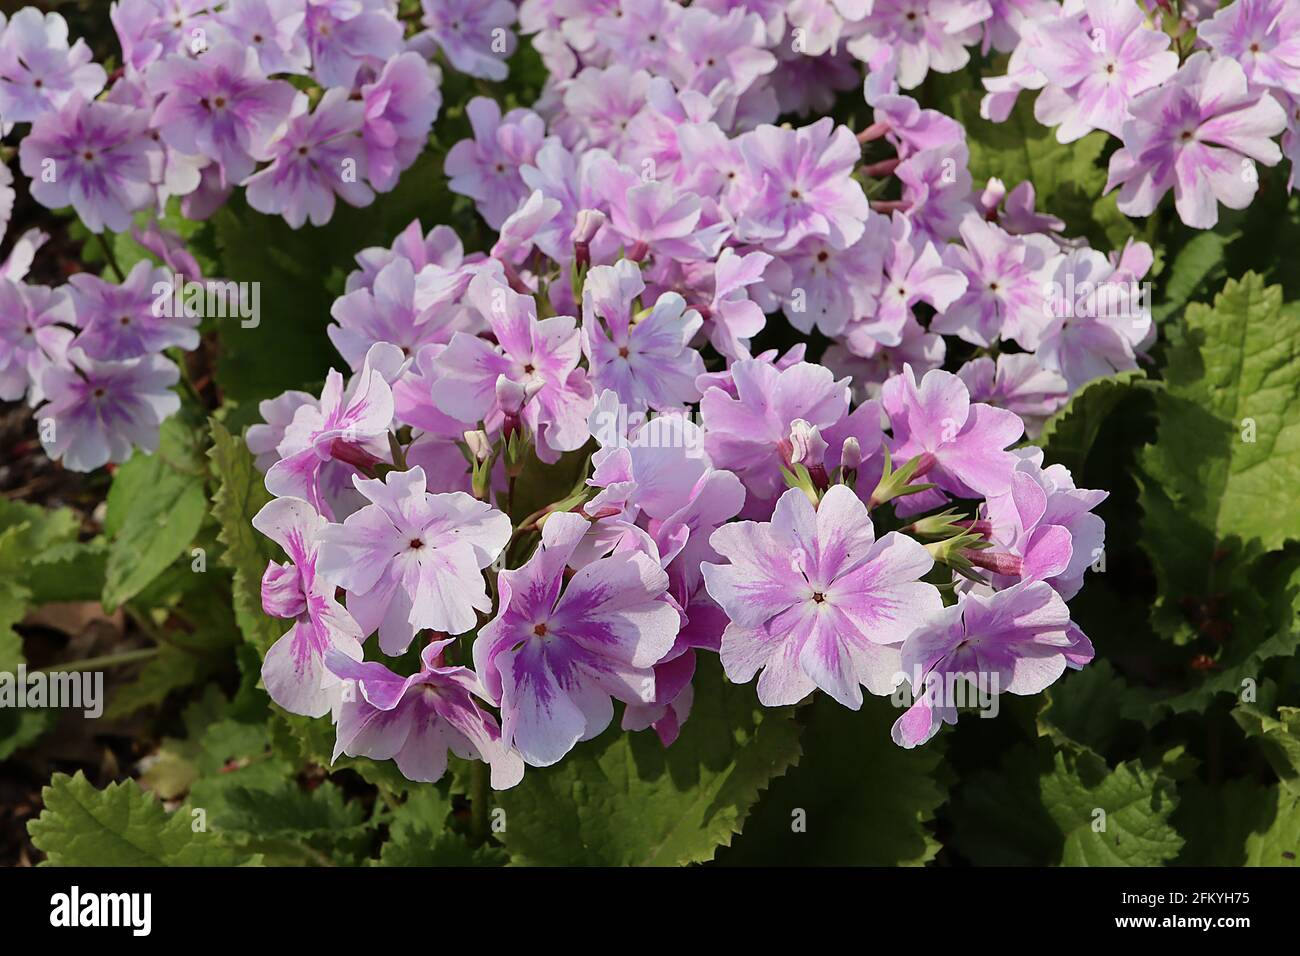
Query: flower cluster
x,y
301,103
1196,124
848,514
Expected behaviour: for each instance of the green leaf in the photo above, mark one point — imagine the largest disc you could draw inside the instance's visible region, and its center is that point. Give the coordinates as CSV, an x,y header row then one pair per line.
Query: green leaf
x,y
1085,708
240,494
445,849
997,814
1278,736
1068,436
622,799
855,798
155,508
1238,823
298,273
1048,806
120,826
1226,459
418,835
1196,268
172,669
74,571
1136,803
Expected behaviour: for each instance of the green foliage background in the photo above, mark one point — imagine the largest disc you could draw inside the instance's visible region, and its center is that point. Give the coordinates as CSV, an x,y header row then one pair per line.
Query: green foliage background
x,y
1183,737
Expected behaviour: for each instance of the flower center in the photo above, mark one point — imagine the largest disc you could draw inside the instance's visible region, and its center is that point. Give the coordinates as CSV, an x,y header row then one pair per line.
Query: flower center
x,y
416,544
818,597
540,629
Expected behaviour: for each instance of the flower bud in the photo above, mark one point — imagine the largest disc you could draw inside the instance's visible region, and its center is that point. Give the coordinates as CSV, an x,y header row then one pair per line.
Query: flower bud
x,y
851,454
282,594
510,395
478,444
807,447
587,224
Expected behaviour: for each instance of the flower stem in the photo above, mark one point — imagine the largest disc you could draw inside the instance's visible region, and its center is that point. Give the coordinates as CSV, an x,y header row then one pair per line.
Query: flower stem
x,y
99,663
479,802
110,257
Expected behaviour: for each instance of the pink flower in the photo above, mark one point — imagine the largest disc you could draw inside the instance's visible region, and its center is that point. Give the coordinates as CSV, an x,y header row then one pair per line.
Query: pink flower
x,y
799,185
400,108
318,156
393,311
1100,318
104,162
1046,522
272,29
1004,291
1096,67
411,560
345,35
219,105
294,670
925,35
98,412
744,433
815,601
415,720
540,355
1197,134
649,363
486,168
1263,36
829,287
33,321
555,654
1015,640
124,321
472,34
964,441
733,316
1018,383
346,426
39,72
937,187
913,273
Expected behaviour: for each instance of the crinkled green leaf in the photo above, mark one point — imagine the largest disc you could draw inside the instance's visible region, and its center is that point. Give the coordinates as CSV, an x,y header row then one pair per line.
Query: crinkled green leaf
x,y
240,494
121,825
299,273
1226,461
1278,736
622,799
1196,269
418,835
855,798
1111,817
1068,436
155,507
1238,823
